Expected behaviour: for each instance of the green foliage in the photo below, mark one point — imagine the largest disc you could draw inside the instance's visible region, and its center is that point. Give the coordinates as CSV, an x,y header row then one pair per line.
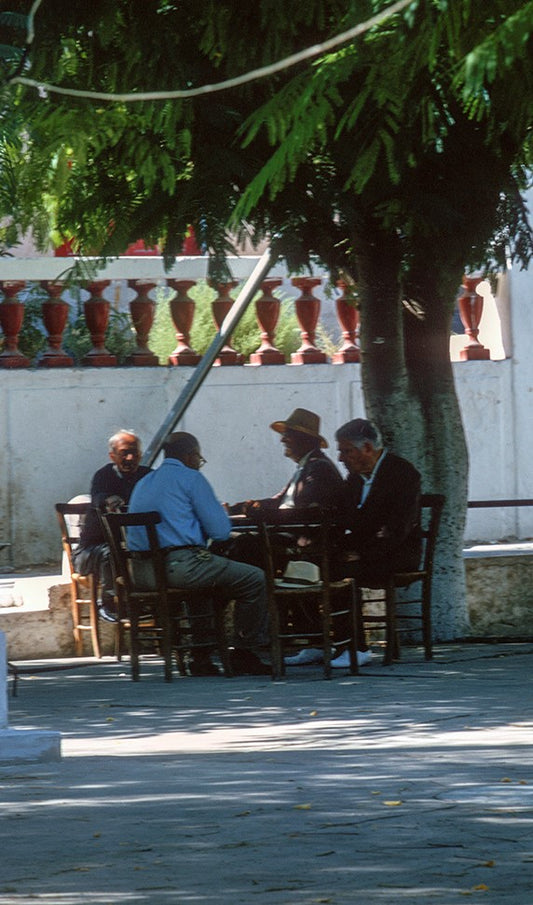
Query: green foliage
x,y
119,338
32,337
316,154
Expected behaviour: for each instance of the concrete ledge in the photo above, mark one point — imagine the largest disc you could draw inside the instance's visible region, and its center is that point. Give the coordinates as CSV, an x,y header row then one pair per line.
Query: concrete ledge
x,y
482,551
29,746
499,589
40,624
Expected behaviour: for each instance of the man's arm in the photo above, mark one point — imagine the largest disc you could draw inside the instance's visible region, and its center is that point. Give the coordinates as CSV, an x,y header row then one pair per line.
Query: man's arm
x,y
211,514
320,485
390,512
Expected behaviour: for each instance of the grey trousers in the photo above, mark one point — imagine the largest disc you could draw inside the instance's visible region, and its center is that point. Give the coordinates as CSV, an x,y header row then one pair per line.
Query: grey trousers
x,y
223,580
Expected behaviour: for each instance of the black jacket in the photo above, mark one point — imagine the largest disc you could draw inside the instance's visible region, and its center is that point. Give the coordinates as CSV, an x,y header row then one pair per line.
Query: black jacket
x,y
385,530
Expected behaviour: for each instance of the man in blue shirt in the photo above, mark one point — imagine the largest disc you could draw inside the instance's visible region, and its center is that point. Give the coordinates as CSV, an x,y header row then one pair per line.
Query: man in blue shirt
x,y
191,516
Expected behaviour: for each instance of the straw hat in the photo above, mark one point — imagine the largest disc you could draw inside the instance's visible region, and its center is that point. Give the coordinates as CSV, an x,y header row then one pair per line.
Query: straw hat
x,y
299,572
304,421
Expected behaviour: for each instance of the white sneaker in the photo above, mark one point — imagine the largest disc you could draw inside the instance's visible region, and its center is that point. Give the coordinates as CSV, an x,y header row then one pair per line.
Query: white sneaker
x,y
343,660
305,657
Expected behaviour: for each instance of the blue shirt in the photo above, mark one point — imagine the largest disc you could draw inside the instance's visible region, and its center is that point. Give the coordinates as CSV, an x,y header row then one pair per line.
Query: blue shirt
x,y
190,512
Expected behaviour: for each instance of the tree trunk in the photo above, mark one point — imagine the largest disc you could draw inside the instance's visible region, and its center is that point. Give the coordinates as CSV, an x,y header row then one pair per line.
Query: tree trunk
x,y
409,392
444,462
385,378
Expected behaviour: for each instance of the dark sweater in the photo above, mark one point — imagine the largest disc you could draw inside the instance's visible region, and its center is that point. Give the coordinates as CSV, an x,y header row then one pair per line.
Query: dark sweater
x,y
107,481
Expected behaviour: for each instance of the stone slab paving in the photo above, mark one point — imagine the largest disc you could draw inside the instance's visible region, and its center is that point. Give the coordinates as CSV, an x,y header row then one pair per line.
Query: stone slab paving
x,y
406,785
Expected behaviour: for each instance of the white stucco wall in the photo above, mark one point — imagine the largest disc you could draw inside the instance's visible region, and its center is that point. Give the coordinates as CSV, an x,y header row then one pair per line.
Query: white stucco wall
x,y
55,424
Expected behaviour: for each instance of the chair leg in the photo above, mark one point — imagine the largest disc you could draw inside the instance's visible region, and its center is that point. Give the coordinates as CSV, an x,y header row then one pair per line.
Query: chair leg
x,y
326,638
166,639
134,644
222,641
275,644
75,608
119,640
391,635
359,620
426,622
355,618
95,628
95,631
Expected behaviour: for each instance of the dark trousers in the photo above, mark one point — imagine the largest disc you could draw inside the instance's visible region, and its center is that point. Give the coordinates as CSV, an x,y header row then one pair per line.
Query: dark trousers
x,y
96,560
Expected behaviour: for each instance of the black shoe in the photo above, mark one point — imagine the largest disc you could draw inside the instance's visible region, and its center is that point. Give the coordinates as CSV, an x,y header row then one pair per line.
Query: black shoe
x,y
246,663
107,615
203,666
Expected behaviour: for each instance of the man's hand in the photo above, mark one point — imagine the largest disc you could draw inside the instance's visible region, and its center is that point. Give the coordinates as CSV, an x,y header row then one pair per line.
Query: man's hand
x,y
251,506
114,503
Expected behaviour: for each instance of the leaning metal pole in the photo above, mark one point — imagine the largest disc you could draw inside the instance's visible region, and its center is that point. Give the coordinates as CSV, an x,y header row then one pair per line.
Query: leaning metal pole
x,y
202,369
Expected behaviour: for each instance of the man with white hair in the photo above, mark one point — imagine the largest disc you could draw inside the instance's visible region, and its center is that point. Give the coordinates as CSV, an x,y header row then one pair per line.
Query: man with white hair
x,y
381,511
111,489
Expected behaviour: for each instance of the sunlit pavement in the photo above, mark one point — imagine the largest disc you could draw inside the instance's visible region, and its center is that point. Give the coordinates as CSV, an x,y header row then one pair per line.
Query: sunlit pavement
x,y
405,785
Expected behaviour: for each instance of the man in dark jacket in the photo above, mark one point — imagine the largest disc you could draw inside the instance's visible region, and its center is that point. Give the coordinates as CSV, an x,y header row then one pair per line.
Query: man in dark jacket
x,y
316,480
381,509
111,489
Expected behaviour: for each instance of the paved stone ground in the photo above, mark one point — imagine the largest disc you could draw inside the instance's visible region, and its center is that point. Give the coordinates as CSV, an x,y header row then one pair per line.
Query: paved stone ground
x,y
406,785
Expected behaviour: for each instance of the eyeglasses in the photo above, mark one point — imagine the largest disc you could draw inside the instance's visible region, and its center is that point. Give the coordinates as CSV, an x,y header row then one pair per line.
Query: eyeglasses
x,y
201,460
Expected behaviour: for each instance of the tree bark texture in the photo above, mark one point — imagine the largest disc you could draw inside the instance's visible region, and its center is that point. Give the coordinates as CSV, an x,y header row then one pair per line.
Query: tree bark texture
x,y
410,393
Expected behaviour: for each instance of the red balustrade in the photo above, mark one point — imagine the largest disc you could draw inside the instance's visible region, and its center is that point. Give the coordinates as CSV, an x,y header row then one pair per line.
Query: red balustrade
x,y
267,309
221,306
470,306
142,310
96,310
182,309
348,317
55,314
55,318
11,318
307,308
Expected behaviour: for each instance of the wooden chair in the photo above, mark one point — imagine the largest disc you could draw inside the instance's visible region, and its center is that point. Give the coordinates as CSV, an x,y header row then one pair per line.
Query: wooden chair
x,y
172,608
83,588
332,603
396,615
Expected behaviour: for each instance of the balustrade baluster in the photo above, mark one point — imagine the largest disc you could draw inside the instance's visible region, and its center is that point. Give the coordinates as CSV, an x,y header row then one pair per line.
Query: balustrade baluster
x,y
348,317
55,316
267,309
11,318
307,308
470,306
96,310
182,309
142,310
221,305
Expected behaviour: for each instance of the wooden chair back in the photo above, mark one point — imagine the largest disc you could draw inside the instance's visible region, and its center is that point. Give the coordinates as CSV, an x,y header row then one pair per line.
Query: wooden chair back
x,y
135,604
329,603
83,588
172,608
431,505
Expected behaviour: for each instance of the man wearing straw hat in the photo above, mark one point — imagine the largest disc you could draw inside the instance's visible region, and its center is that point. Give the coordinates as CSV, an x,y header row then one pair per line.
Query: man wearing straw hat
x,y
316,480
